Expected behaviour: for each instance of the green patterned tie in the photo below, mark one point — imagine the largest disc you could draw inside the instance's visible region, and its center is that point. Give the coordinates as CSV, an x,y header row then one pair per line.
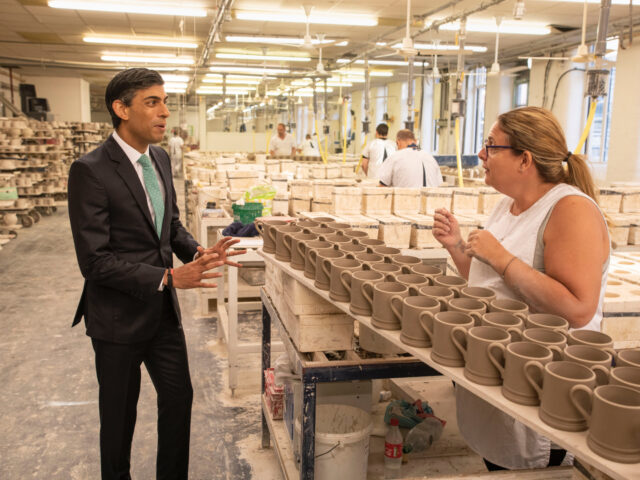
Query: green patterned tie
x,y
153,189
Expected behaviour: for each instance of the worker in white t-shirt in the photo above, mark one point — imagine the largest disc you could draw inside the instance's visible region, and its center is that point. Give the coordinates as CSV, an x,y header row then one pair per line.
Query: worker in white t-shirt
x,y
376,152
309,147
175,152
282,144
409,167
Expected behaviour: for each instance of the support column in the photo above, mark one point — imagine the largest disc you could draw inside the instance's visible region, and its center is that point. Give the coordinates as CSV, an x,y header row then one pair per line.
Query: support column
x,y
202,123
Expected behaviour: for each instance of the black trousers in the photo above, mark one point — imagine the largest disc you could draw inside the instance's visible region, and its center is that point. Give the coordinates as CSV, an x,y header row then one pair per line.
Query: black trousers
x,y
556,457
118,370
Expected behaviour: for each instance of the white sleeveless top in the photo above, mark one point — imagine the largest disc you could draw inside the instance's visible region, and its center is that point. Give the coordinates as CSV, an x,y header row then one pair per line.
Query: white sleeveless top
x,y
491,433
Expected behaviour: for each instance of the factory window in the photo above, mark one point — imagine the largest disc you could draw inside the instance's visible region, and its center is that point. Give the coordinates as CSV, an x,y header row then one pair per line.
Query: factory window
x,y
521,90
477,97
597,147
381,104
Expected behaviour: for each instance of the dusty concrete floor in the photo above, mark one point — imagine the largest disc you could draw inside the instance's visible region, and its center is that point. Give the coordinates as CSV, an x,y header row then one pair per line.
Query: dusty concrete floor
x,y
48,393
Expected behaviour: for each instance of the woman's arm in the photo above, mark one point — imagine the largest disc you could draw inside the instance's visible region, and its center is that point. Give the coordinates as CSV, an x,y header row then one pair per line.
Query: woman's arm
x,y
447,231
576,246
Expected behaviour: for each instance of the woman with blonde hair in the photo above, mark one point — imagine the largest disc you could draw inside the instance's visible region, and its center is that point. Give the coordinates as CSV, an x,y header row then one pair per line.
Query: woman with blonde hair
x,y
546,243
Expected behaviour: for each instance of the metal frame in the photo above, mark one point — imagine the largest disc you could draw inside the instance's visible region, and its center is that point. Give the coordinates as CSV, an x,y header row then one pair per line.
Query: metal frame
x,y
311,375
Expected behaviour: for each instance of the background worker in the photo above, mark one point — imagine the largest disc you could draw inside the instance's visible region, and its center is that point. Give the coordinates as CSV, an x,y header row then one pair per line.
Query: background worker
x,y
409,167
377,151
175,152
546,243
282,144
309,147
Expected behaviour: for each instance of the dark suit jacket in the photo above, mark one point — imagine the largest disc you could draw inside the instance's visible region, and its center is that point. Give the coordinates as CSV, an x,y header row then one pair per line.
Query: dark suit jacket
x,y
119,252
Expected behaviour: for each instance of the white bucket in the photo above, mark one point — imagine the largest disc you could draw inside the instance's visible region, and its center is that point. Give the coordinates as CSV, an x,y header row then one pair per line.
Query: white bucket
x,y
342,442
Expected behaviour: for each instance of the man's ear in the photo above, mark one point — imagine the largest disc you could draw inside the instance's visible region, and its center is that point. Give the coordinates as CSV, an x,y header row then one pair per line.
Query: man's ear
x,y
120,109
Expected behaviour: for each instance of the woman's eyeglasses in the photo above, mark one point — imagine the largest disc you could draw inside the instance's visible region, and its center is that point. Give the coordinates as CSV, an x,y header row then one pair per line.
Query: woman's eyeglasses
x,y
488,148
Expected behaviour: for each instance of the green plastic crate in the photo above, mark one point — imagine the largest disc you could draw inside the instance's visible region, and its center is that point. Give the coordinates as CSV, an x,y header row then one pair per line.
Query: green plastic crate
x,y
247,213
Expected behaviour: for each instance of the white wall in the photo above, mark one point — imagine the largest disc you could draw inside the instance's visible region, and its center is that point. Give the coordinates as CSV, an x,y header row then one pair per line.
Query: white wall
x,y
499,99
69,97
624,145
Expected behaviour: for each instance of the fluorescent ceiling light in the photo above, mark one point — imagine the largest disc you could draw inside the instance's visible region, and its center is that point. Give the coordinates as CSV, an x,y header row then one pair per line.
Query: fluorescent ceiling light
x,y
256,70
139,41
174,85
507,26
249,78
334,18
175,90
359,73
172,69
169,78
204,91
330,83
278,40
229,89
248,56
123,57
131,7
381,44
398,63
444,47
252,81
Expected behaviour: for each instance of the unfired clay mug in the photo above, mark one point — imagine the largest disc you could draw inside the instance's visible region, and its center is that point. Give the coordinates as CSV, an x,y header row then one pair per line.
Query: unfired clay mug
x,y
516,307
387,305
355,234
324,221
322,232
597,360
625,376
551,339
470,306
306,224
309,258
337,239
414,309
442,294
485,295
451,281
413,281
351,249
558,379
613,414
323,258
506,321
405,261
297,249
264,227
389,270
510,361
339,227
473,344
283,241
357,283
547,320
370,243
439,329
592,338
369,259
386,252
428,271
337,291
628,358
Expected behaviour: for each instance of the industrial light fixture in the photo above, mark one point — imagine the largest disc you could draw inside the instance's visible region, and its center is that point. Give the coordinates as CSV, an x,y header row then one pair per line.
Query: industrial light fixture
x,y
330,83
334,18
381,44
147,58
279,40
398,63
234,81
444,47
131,7
143,42
254,70
175,90
509,27
218,91
248,78
175,85
172,69
518,10
275,58
359,73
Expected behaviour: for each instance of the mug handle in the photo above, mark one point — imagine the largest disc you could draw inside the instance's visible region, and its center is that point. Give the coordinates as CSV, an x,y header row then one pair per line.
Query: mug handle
x,y
394,309
522,316
573,396
602,374
426,314
314,256
355,241
366,266
498,363
477,318
444,304
516,334
413,291
260,228
351,256
286,240
535,365
614,355
427,326
272,235
300,249
327,270
367,296
458,342
406,269
558,354
343,279
390,277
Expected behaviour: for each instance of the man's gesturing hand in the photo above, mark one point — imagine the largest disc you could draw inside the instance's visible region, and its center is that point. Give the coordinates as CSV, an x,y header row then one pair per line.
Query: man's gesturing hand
x,y
193,273
221,250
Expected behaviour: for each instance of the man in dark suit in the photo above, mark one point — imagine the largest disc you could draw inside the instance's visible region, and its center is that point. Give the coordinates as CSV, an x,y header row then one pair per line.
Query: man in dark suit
x,y
126,227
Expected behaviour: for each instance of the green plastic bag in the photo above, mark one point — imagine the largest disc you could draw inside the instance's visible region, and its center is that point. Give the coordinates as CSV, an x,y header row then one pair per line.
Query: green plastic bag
x,y
263,194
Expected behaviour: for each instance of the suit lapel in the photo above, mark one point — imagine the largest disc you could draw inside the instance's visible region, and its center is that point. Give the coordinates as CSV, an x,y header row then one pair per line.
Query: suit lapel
x,y
128,174
165,177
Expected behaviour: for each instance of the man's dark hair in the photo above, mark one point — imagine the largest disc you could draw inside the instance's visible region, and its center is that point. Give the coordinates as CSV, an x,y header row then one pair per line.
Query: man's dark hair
x,y
382,129
124,86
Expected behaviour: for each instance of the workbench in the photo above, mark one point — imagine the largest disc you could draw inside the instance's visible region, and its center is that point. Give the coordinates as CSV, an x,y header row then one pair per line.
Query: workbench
x,y
574,442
